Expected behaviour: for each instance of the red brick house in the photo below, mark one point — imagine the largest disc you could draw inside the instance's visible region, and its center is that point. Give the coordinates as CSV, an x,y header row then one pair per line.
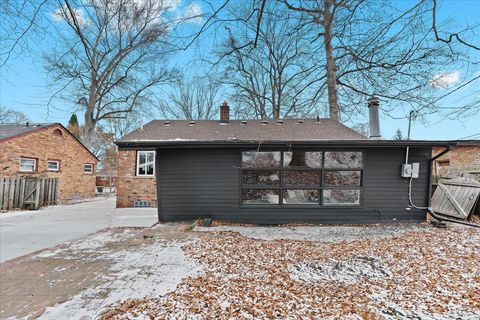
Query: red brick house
x,y
463,158
48,150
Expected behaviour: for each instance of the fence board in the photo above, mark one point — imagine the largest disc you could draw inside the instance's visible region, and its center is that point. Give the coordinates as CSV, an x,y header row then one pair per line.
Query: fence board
x,y
2,180
27,192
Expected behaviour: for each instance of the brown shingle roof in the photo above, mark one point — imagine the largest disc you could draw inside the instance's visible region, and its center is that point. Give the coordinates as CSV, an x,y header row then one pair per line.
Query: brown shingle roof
x,y
13,130
294,130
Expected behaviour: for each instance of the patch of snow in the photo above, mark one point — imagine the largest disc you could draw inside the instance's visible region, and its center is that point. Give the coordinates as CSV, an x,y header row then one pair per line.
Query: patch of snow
x,y
89,244
85,202
317,233
350,271
149,272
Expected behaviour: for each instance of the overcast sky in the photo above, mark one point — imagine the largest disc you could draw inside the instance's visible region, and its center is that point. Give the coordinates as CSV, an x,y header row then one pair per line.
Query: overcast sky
x,y
23,85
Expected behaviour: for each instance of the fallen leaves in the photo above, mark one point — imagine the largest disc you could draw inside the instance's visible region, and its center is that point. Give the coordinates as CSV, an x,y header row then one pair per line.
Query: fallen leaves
x,y
431,273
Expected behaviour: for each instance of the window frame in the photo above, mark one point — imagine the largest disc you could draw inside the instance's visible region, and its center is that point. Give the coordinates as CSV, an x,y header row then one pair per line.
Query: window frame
x,y
58,162
92,166
137,162
321,187
35,165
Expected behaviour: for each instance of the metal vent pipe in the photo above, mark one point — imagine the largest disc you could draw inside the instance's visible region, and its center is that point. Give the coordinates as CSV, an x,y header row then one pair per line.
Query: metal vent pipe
x,y
373,104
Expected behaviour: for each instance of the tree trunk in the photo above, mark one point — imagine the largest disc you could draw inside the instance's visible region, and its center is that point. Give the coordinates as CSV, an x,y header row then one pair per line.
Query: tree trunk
x,y
331,66
90,122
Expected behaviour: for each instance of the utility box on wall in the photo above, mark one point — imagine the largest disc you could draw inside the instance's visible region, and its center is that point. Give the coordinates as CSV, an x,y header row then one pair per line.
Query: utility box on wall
x,y
410,170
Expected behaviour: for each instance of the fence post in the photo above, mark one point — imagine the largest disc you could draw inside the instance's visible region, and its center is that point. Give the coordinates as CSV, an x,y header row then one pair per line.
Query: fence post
x,y
2,196
22,193
11,194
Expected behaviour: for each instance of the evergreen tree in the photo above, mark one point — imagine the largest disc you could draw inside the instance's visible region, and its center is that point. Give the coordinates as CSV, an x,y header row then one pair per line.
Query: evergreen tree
x,y
73,126
398,135
73,120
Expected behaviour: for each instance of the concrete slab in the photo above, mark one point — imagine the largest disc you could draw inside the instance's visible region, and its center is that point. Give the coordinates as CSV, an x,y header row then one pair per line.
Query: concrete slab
x,y
23,232
134,217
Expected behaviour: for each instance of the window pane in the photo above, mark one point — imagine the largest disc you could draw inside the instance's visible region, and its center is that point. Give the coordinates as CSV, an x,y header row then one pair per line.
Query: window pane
x,y
150,156
292,159
301,196
341,197
260,196
142,158
254,159
150,169
27,165
52,165
342,178
301,178
141,170
88,168
265,178
347,160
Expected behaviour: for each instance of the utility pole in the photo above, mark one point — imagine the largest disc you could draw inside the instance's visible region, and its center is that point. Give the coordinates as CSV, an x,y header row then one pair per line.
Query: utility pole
x,y
410,118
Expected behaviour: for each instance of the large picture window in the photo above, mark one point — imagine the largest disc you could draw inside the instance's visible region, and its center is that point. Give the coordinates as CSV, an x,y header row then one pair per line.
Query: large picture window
x,y
327,178
145,163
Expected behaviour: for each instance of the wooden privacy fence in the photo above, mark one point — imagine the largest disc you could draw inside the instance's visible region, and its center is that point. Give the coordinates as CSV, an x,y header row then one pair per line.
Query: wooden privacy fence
x,y
27,192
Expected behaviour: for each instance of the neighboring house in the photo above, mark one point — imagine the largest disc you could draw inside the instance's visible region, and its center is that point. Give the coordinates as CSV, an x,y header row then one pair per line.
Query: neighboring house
x,y
271,172
461,159
106,181
48,150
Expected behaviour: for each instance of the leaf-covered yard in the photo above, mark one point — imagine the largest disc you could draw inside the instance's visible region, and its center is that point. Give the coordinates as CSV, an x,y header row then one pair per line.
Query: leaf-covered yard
x,y
406,273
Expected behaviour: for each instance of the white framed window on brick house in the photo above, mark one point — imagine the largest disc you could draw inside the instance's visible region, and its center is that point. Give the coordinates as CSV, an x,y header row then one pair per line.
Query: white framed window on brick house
x,y
28,164
145,163
88,168
53,165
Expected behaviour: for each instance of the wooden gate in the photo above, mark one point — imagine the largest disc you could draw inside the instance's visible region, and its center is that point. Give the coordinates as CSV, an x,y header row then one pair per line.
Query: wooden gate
x,y
456,197
27,193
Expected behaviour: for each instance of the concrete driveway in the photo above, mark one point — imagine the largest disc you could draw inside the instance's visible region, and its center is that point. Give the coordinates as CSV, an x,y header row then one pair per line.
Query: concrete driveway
x,y
23,232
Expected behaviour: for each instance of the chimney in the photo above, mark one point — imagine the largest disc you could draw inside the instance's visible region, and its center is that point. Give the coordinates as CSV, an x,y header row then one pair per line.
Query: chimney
x,y
373,104
224,112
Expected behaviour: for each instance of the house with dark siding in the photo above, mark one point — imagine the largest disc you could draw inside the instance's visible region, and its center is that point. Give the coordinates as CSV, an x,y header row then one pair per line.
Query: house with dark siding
x,y
274,171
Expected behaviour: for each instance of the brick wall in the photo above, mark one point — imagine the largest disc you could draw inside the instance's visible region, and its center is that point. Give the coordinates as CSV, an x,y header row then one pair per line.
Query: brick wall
x,y
458,159
131,188
47,144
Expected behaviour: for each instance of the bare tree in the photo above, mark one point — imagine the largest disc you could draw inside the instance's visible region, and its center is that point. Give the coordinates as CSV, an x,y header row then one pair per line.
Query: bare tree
x,y
371,47
109,59
21,20
119,127
192,100
362,128
449,36
277,77
12,116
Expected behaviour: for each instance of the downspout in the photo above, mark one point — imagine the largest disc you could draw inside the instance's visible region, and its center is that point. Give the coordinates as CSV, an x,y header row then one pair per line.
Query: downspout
x,y
429,208
430,177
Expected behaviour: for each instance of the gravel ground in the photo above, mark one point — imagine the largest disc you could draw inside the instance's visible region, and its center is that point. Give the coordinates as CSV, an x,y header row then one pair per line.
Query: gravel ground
x,y
315,233
419,273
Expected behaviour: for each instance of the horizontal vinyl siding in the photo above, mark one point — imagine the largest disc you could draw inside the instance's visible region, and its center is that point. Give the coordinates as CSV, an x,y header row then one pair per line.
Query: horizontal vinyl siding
x,y
199,183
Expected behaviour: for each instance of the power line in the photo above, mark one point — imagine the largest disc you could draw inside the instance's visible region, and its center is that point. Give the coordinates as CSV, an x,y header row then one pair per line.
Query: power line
x,y
470,136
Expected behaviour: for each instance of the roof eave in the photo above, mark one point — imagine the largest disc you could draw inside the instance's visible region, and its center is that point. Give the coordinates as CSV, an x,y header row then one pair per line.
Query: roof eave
x,y
236,143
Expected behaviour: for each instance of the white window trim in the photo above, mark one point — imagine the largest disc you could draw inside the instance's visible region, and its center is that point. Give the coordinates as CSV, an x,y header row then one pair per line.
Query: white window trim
x,y
137,173
30,159
85,166
53,161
